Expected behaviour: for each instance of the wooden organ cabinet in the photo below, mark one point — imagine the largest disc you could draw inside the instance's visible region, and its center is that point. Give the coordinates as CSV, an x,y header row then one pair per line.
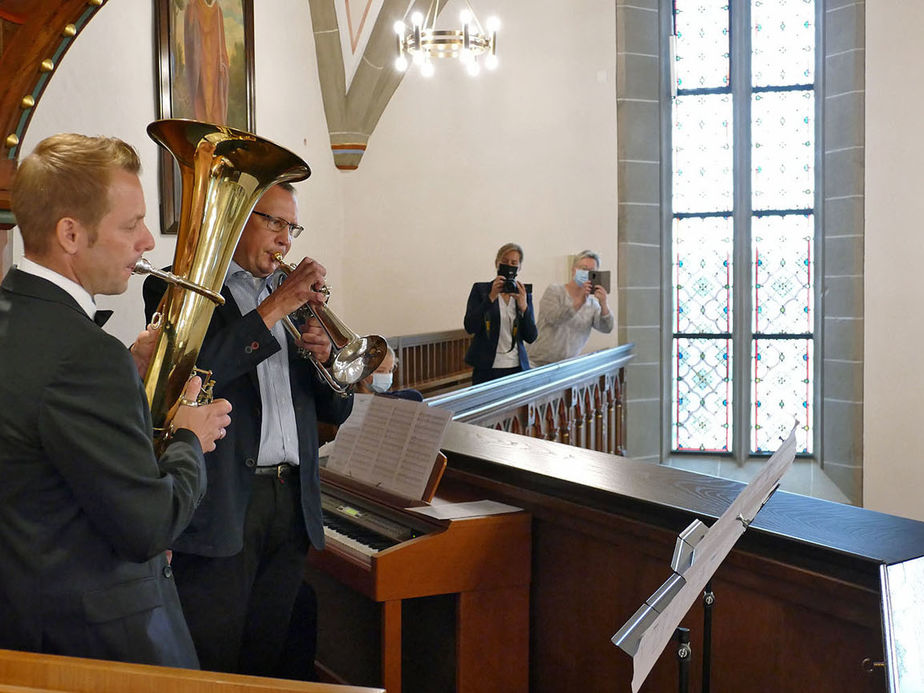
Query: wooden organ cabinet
x,y
418,604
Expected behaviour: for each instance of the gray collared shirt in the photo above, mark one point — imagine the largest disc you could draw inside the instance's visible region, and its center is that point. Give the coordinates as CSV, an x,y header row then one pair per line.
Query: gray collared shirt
x,y
278,432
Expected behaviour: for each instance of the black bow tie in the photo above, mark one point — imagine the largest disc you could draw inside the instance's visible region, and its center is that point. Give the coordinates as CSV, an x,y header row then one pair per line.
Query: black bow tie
x,y
101,316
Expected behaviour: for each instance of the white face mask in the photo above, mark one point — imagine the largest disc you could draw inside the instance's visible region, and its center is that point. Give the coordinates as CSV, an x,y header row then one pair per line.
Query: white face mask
x,y
381,382
581,276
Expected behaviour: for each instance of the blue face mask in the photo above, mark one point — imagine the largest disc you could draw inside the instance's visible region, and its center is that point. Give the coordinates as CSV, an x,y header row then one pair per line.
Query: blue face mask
x,y
581,276
381,382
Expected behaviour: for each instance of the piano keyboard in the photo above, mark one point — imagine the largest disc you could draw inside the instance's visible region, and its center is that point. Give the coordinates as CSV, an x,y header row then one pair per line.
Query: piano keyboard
x,y
360,532
354,539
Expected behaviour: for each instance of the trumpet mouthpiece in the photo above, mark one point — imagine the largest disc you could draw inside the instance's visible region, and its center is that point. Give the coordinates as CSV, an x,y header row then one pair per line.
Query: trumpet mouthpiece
x,y
283,265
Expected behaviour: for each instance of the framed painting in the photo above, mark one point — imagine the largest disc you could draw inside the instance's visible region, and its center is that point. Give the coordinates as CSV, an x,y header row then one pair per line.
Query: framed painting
x,y
205,72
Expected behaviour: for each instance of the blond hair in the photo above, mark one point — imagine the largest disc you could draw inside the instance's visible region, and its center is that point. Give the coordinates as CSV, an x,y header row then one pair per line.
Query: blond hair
x,y
585,254
67,175
507,247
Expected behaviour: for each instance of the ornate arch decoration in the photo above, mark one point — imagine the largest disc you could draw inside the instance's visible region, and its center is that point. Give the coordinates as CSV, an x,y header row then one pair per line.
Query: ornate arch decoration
x,y
34,36
356,48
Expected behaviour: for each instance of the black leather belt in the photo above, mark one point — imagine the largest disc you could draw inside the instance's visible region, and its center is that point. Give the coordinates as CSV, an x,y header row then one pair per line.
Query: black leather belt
x,y
280,471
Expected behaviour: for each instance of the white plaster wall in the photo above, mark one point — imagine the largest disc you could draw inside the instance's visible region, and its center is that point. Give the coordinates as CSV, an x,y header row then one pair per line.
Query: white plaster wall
x,y
458,166
893,466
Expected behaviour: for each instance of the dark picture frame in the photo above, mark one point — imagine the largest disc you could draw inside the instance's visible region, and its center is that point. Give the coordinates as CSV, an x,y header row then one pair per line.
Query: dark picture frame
x,y
205,69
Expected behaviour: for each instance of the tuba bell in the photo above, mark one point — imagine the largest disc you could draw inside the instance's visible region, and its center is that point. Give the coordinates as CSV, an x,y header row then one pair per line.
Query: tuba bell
x,y
355,357
224,172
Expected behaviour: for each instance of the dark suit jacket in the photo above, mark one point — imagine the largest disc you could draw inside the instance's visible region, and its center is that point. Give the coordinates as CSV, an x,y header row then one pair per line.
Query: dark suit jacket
x,y
233,346
86,510
482,319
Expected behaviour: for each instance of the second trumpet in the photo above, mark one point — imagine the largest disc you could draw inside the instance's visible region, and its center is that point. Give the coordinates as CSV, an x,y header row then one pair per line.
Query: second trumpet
x,y
355,356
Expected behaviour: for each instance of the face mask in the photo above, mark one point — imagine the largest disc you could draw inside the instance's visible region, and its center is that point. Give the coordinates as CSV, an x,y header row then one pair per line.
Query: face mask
x,y
581,276
381,382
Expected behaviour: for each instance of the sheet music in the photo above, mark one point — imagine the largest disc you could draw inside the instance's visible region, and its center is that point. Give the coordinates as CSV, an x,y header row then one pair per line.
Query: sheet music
x,y
390,443
457,511
710,552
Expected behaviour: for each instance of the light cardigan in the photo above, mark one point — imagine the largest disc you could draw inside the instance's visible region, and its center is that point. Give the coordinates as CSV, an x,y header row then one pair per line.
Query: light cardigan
x,y
563,332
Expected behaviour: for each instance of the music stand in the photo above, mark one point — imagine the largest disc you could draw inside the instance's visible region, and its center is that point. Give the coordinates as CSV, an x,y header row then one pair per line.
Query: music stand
x,y
902,628
697,555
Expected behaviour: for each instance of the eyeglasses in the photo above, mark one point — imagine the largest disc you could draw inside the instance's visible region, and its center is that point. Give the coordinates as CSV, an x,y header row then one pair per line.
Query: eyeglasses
x,y
276,224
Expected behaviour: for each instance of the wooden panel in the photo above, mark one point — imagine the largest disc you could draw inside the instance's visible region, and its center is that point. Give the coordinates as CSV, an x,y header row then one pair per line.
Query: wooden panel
x,y
492,635
797,600
78,675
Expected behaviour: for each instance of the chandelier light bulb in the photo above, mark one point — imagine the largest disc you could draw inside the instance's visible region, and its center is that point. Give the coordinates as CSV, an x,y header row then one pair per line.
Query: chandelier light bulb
x,y
465,16
417,19
490,62
473,68
493,24
399,28
427,69
401,63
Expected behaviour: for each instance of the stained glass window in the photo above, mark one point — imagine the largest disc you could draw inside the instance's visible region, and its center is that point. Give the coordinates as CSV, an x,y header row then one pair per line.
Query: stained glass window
x,y
783,149
781,393
703,269
702,395
701,57
782,42
783,294
737,140
702,153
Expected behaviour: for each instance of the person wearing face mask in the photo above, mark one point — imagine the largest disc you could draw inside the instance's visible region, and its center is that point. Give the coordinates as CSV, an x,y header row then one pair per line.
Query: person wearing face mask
x,y
379,382
567,312
499,316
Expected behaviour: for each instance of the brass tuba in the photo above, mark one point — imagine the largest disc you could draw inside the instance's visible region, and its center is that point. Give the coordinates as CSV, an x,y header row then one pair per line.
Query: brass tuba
x,y
224,173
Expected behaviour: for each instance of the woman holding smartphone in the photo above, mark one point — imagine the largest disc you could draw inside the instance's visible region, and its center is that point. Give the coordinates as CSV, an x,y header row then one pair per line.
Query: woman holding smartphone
x,y
500,317
567,312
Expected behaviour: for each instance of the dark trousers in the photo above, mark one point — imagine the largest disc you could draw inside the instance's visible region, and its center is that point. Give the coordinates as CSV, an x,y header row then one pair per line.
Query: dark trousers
x,y
483,375
238,608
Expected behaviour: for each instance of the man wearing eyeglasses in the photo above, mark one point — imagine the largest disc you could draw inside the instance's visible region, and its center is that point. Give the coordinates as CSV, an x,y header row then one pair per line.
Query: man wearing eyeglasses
x,y
240,563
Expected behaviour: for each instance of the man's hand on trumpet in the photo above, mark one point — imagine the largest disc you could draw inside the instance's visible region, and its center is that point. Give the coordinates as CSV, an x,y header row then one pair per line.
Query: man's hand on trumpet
x,y
207,421
315,340
297,290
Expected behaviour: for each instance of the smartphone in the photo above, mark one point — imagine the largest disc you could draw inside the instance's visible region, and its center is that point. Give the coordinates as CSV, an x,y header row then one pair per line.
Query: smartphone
x,y
601,277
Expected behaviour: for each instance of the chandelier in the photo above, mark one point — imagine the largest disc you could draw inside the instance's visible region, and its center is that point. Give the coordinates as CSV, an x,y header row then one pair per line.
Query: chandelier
x,y
423,42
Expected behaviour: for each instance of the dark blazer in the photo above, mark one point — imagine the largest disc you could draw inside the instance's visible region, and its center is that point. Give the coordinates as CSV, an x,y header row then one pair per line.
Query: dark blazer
x,y
482,319
234,344
86,509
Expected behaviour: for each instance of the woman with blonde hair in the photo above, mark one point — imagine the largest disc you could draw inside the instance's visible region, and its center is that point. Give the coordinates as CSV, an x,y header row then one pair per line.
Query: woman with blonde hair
x,y
500,317
567,312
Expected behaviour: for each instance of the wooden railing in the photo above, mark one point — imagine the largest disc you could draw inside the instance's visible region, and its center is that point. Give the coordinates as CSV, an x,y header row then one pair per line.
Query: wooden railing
x,y
577,402
432,362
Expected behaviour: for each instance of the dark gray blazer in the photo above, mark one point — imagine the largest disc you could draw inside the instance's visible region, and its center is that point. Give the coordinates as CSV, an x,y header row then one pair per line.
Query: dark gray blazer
x,y
233,346
86,509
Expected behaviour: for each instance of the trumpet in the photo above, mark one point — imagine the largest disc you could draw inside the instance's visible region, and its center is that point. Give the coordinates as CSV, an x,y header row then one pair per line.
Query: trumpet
x,y
356,357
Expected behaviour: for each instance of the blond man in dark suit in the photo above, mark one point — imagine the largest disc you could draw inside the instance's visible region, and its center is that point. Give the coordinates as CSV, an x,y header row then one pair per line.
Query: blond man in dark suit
x,y
86,508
